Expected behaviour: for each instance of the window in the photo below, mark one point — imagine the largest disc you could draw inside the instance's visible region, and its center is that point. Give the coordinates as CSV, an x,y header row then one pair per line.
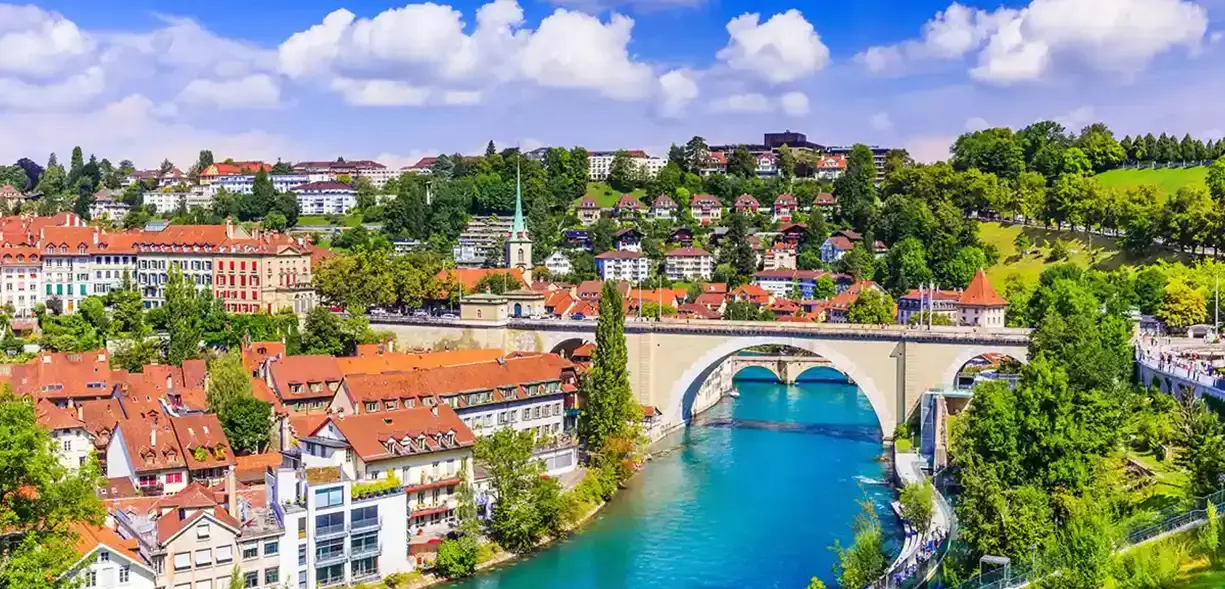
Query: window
x,y
250,579
204,557
125,574
272,547
329,497
302,555
67,445
182,561
205,584
329,523
104,556
91,579
372,406
225,554
272,576
250,551
174,477
202,530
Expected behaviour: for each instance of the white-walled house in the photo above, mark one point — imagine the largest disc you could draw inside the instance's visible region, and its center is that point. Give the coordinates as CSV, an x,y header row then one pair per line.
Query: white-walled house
x,y
558,263
623,265
980,305
689,263
144,450
111,564
73,442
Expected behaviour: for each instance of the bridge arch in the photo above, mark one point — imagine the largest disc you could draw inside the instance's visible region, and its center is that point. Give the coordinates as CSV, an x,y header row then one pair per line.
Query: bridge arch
x,y
761,366
687,388
971,352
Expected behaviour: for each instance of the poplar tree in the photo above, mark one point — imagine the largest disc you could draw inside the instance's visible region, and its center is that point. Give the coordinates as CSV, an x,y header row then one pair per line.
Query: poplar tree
x,y
609,407
183,317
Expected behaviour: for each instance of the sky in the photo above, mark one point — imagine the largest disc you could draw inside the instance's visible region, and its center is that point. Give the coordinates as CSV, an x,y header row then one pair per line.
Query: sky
x,y
319,79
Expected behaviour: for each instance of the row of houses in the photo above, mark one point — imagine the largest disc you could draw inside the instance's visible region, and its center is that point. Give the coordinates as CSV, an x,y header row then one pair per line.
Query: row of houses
x,y
706,209
361,482
59,261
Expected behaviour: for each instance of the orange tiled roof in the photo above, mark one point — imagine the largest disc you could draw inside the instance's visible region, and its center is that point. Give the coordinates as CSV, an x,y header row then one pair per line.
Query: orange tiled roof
x,y
255,353
260,390
426,428
248,466
980,293
304,425
311,375
89,537
504,377
151,444
468,277
400,362
61,375
55,418
203,430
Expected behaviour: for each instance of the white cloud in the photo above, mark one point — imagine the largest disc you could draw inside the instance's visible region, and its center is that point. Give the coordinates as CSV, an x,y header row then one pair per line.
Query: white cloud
x,y
34,42
254,91
794,104
380,92
641,5
678,88
977,124
880,121
1077,119
782,49
741,103
128,129
930,149
426,46
74,91
1118,37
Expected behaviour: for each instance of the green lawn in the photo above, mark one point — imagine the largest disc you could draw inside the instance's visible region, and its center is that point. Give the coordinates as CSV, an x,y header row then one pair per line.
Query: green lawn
x,y
346,221
605,196
1199,574
1104,255
1169,180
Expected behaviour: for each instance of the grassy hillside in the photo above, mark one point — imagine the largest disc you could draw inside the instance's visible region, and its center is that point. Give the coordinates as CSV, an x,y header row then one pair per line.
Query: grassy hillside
x,y
1169,180
605,196
1104,255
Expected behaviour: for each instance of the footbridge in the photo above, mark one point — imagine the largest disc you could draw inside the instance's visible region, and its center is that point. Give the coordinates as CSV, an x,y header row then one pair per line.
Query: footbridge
x,y
681,367
785,368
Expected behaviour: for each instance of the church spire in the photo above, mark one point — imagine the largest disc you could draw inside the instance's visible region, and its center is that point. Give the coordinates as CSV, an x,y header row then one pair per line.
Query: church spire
x,y
518,228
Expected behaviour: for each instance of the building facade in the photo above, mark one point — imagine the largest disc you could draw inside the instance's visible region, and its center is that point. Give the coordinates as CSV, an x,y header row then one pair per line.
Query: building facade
x,y
623,265
689,264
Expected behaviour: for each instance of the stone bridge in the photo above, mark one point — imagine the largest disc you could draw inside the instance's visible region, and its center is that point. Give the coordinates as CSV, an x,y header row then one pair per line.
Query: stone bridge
x,y
785,368
671,361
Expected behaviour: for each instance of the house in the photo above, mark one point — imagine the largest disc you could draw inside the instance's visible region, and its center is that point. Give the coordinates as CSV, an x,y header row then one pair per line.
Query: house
x,y
579,239
232,168
107,561
623,265
767,164
825,203
558,263
840,304
842,242
9,195
830,167
782,256
783,282
172,177
105,206
783,308
326,198
628,207
706,208
696,311
304,383
746,204
423,167
664,208
588,211
74,443
207,451
144,449
784,208
792,233
980,305
714,288
711,301
939,302
689,263
652,422
716,163
628,240
750,293
63,378
682,236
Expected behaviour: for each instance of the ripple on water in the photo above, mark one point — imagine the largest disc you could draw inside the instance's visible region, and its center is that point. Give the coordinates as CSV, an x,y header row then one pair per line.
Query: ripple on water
x,y
753,497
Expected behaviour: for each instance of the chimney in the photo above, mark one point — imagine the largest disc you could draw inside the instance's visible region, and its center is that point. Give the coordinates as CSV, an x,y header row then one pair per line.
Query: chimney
x,y
169,382
434,410
231,492
153,437
80,412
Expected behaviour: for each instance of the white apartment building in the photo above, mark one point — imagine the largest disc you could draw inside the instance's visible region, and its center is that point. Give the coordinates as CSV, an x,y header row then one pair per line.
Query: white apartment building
x,y
782,256
110,268
689,263
326,198
189,247
378,176
110,208
558,263
21,279
73,442
67,254
111,564
623,265
599,163
164,202
245,184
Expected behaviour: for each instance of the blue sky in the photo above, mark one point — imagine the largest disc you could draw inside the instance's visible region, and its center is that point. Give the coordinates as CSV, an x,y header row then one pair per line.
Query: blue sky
x,y
317,79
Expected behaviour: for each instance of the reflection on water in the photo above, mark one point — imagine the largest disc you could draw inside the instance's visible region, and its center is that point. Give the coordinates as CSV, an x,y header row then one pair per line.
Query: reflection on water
x,y
751,496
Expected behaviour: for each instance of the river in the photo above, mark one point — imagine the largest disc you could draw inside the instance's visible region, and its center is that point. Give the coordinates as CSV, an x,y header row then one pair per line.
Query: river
x,y
752,495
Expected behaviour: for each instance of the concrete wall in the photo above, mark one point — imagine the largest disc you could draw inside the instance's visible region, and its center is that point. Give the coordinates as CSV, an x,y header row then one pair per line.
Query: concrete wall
x,y
670,362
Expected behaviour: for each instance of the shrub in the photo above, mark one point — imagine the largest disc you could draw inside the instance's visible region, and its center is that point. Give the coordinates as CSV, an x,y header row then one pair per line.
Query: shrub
x,y
457,557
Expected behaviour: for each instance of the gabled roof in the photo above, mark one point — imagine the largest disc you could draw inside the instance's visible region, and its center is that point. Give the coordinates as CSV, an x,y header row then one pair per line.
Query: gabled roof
x,y
824,199
588,203
687,252
90,538
664,201
203,430
303,372
980,293
703,198
468,277
401,362
785,199
151,443
506,373
629,202
56,418
427,428
746,201
619,255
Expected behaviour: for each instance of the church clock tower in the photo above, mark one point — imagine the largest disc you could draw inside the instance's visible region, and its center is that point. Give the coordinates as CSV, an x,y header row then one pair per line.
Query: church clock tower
x,y
519,243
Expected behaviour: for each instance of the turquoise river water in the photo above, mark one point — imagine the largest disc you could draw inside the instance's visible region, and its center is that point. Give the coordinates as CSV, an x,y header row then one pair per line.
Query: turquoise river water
x,y
752,495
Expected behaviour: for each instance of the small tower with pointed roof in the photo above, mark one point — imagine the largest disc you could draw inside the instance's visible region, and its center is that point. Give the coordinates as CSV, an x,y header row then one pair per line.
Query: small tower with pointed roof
x,y
519,243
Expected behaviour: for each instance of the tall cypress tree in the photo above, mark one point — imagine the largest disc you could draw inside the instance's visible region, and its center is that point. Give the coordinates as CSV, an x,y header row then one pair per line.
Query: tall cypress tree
x,y
609,406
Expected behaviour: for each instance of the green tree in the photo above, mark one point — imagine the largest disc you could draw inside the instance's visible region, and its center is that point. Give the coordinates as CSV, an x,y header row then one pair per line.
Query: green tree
x,y
183,313
825,287
737,252
959,271
1210,534
1181,305
786,163
1202,438
322,333
1099,144
40,501
696,154
872,307
602,235
275,221
918,502
855,190
528,506
741,163
609,407
622,173
1215,180
815,583
906,267
248,424
1022,243
857,263
865,561
457,557
994,151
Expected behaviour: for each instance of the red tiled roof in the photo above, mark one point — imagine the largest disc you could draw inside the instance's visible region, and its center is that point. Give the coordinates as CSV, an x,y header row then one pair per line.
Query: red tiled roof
x,y
468,277
941,295
252,467
649,411
715,287
61,375
425,162
504,377
170,524
203,430
314,377
325,185
400,362
841,243
701,198
824,199
89,538
588,203
150,452
304,425
427,427
629,202
980,293
663,201
619,255
746,201
56,418
255,353
698,311
710,300
784,199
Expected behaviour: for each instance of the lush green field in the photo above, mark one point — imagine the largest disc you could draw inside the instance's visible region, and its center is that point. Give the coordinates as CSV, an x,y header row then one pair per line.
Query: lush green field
x,y
320,220
1169,180
1104,254
605,196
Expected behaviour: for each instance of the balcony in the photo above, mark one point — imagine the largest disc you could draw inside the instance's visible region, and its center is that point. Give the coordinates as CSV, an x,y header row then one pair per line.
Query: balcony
x,y
370,523
372,549
332,557
333,582
332,531
359,576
